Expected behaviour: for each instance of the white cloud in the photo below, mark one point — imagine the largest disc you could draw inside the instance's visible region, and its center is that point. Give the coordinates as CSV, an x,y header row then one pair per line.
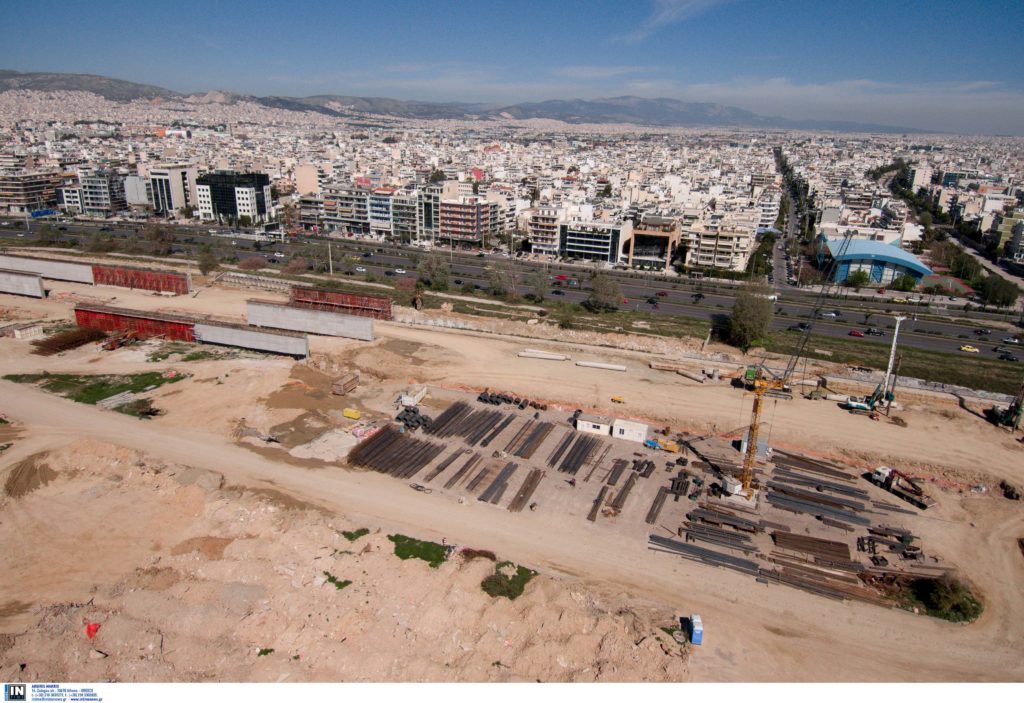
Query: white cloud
x,y
587,73
668,12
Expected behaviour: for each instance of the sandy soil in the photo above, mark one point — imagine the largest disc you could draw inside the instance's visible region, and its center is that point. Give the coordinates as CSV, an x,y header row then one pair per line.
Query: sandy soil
x,y
753,632
190,582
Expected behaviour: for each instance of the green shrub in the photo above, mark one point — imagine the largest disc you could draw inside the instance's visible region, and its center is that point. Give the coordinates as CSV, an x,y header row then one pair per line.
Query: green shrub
x,y
946,598
336,582
353,535
499,584
409,548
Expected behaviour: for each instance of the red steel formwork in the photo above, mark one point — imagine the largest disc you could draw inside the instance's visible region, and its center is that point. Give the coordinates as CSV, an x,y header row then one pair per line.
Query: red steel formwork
x,y
144,324
377,307
143,279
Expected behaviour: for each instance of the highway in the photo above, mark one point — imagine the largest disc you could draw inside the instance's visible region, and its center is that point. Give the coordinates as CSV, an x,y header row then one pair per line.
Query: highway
x,y
702,300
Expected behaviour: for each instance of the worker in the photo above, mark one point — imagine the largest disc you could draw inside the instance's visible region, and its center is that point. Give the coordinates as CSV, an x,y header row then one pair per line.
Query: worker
x,y
572,482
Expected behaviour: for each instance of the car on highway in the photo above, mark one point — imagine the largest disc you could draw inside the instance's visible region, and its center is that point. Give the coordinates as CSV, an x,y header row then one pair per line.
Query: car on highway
x,y
829,313
457,281
969,349
400,271
390,273
278,255
1011,340
875,332
557,292
899,300
662,294
799,327
1008,357
855,333
367,254
652,300
361,269
982,330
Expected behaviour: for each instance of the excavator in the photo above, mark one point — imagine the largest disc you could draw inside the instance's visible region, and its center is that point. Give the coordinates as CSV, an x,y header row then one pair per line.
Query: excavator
x,y
867,403
1009,416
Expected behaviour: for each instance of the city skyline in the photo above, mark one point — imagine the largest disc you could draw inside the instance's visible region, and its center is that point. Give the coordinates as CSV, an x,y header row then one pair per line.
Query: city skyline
x,y
950,69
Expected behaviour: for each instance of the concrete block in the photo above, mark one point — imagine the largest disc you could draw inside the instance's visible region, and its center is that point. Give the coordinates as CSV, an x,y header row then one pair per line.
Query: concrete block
x,y
260,340
21,283
48,268
286,317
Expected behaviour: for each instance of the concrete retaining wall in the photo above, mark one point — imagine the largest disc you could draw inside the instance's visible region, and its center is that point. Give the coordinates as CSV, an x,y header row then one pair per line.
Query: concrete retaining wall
x,y
286,317
20,283
47,268
277,343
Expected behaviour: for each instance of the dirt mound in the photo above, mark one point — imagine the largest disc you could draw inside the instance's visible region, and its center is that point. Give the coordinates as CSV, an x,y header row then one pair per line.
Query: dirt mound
x,y
28,475
210,547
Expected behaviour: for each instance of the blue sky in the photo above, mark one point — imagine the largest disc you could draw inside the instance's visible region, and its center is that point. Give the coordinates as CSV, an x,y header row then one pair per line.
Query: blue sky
x,y
935,64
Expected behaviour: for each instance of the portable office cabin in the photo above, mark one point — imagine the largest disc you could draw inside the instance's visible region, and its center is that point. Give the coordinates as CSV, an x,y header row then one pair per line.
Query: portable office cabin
x,y
594,424
629,430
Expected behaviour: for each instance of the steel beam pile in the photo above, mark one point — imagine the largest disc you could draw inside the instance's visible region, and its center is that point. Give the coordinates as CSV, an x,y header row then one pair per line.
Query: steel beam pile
x,y
531,443
719,517
464,470
818,484
798,501
598,461
705,556
497,430
445,464
395,453
493,493
462,421
478,479
559,450
598,502
799,462
620,499
696,532
579,454
656,506
525,492
618,466
824,548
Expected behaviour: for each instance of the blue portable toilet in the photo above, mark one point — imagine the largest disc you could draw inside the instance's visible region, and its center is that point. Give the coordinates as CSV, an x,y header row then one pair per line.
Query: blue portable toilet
x,y
696,630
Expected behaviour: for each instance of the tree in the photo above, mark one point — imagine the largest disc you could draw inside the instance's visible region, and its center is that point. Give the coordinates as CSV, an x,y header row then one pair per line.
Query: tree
x,y
996,290
437,176
537,280
99,243
244,221
905,283
208,261
604,293
751,316
159,241
433,271
857,280
297,265
252,263
607,192
499,282
187,211
47,235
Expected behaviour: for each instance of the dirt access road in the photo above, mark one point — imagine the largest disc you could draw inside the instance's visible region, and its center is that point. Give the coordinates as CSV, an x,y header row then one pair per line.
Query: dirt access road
x,y
754,632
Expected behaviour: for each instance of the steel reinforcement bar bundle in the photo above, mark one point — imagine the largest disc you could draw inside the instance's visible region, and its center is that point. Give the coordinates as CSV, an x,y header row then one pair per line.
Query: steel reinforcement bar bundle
x,y
462,421
493,493
579,454
705,556
394,453
533,480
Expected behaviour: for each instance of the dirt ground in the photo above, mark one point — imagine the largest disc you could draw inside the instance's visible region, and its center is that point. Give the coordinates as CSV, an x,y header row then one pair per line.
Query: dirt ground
x,y
751,634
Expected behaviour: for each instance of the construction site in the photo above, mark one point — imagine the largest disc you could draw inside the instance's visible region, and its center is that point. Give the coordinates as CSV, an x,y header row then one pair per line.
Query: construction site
x,y
815,528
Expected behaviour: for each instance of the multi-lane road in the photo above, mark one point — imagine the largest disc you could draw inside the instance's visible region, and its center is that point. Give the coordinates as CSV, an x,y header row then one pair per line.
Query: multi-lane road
x,y
657,295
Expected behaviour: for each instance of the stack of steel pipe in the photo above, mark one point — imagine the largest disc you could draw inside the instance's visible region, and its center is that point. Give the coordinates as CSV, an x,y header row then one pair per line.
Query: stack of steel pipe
x,y
445,464
493,493
814,546
497,430
395,453
798,505
526,490
719,517
518,437
618,466
532,443
598,461
579,454
478,479
559,450
598,502
464,470
705,556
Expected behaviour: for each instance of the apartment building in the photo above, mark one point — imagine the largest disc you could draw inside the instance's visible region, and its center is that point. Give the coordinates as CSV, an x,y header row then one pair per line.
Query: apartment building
x,y
228,195
607,242
347,209
102,194
173,188
25,191
542,229
468,220
404,217
718,241
378,204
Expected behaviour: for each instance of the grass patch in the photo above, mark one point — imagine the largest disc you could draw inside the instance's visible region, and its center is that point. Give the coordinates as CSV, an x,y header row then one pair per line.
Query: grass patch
x,y
265,651
200,355
336,582
92,389
946,598
940,367
500,584
168,350
353,535
409,548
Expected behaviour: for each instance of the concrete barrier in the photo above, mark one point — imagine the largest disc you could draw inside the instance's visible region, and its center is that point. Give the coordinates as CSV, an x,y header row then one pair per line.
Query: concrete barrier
x,y
599,365
49,268
260,340
21,283
262,313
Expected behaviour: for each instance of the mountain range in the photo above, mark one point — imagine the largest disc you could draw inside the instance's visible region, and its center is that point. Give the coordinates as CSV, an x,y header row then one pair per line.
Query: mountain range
x,y
661,112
